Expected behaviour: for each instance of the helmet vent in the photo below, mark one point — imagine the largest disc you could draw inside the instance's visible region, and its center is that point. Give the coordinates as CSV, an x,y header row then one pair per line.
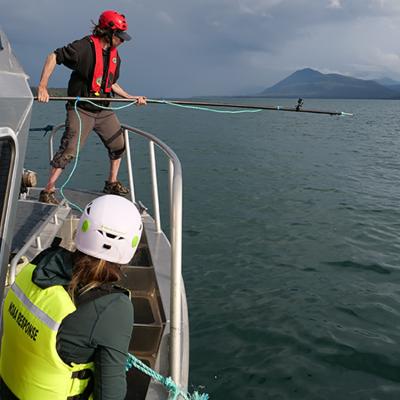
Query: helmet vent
x,y
88,208
109,235
107,246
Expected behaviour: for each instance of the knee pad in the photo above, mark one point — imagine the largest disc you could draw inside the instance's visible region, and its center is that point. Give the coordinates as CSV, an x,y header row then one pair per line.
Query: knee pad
x,y
116,154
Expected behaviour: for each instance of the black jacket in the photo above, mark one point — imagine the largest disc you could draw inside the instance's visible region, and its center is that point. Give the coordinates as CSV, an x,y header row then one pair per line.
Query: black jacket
x,y
80,57
99,330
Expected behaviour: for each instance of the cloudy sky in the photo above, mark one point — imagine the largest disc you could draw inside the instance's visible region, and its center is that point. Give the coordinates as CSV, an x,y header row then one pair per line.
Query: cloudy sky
x,y
216,47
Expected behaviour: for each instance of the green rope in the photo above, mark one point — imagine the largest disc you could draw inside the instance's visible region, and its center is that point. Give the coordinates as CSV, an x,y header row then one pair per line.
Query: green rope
x,y
171,103
76,161
79,143
170,385
132,361
106,108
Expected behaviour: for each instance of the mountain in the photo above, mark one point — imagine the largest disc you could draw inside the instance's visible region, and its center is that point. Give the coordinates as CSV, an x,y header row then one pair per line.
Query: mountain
x,y
313,84
389,83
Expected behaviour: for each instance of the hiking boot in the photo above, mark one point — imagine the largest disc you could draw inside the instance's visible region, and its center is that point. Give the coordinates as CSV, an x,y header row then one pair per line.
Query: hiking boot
x,y
115,188
48,197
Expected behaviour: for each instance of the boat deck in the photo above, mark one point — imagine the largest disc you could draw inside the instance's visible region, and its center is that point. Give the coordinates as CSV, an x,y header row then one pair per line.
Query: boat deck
x,y
39,224
31,216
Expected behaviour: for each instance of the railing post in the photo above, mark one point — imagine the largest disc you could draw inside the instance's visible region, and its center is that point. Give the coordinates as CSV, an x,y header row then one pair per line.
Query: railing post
x,y
156,203
171,180
51,139
129,162
176,273
51,152
39,243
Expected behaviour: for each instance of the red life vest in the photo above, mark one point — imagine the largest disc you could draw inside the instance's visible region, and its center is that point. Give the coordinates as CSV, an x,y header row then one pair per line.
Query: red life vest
x,y
99,67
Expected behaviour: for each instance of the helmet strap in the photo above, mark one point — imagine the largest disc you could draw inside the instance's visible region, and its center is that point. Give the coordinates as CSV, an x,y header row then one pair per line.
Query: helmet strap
x,y
110,37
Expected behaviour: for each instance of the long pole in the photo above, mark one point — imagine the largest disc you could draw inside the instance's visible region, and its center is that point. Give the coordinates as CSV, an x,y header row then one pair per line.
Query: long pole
x,y
203,104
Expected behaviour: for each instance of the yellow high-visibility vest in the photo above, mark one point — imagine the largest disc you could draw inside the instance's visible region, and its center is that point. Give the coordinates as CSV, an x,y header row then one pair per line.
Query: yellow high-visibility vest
x,y
29,363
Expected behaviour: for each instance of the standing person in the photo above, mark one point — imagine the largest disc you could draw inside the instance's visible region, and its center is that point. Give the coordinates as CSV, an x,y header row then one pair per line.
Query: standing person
x,y
66,325
95,65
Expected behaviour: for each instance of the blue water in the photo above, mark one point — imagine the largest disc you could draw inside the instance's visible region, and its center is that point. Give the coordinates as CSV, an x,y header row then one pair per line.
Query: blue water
x,y
291,243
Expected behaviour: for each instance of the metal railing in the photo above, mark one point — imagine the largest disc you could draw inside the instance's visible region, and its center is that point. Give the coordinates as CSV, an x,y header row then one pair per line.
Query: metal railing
x,y
175,209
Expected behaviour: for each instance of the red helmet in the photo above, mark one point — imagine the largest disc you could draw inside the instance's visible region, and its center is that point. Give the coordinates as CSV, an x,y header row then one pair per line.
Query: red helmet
x,y
113,20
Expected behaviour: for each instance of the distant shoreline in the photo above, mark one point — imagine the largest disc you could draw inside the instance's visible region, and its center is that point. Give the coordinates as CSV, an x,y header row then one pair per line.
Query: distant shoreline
x,y
55,92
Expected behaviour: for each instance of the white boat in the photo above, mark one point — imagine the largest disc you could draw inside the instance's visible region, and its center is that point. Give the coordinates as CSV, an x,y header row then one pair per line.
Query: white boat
x,y
161,328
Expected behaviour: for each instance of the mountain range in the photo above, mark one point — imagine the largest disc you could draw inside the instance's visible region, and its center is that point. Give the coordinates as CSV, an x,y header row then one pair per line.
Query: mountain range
x,y
310,83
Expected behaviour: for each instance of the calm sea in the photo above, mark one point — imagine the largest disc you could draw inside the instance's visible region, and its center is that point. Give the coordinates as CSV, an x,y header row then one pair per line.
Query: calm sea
x,y
291,243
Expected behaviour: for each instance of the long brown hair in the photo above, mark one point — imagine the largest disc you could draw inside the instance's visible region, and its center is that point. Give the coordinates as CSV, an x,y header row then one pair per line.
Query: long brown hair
x,y
90,272
105,33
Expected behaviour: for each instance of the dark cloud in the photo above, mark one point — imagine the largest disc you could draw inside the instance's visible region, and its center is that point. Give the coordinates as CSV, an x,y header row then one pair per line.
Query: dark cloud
x,y
205,47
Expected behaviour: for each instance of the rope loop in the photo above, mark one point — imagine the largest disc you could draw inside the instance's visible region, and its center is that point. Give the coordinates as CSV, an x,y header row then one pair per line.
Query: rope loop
x,y
167,382
171,103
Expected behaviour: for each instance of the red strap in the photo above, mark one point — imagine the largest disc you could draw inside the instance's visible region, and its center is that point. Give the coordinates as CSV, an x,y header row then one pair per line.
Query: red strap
x,y
99,67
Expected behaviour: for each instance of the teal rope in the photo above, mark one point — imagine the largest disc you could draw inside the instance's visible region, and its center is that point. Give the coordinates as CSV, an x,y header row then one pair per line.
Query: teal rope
x,y
106,108
76,160
132,361
79,144
170,385
171,103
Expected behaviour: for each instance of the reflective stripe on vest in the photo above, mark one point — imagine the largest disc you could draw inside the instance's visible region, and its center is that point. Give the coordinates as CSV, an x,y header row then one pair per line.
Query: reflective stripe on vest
x,y
99,67
29,363
53,325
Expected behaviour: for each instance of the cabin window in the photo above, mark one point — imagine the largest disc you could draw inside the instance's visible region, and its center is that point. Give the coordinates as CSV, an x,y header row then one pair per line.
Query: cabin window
x,y
7,157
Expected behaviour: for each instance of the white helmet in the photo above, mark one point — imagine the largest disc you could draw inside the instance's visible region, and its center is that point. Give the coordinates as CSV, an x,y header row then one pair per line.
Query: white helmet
x,y
110,229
